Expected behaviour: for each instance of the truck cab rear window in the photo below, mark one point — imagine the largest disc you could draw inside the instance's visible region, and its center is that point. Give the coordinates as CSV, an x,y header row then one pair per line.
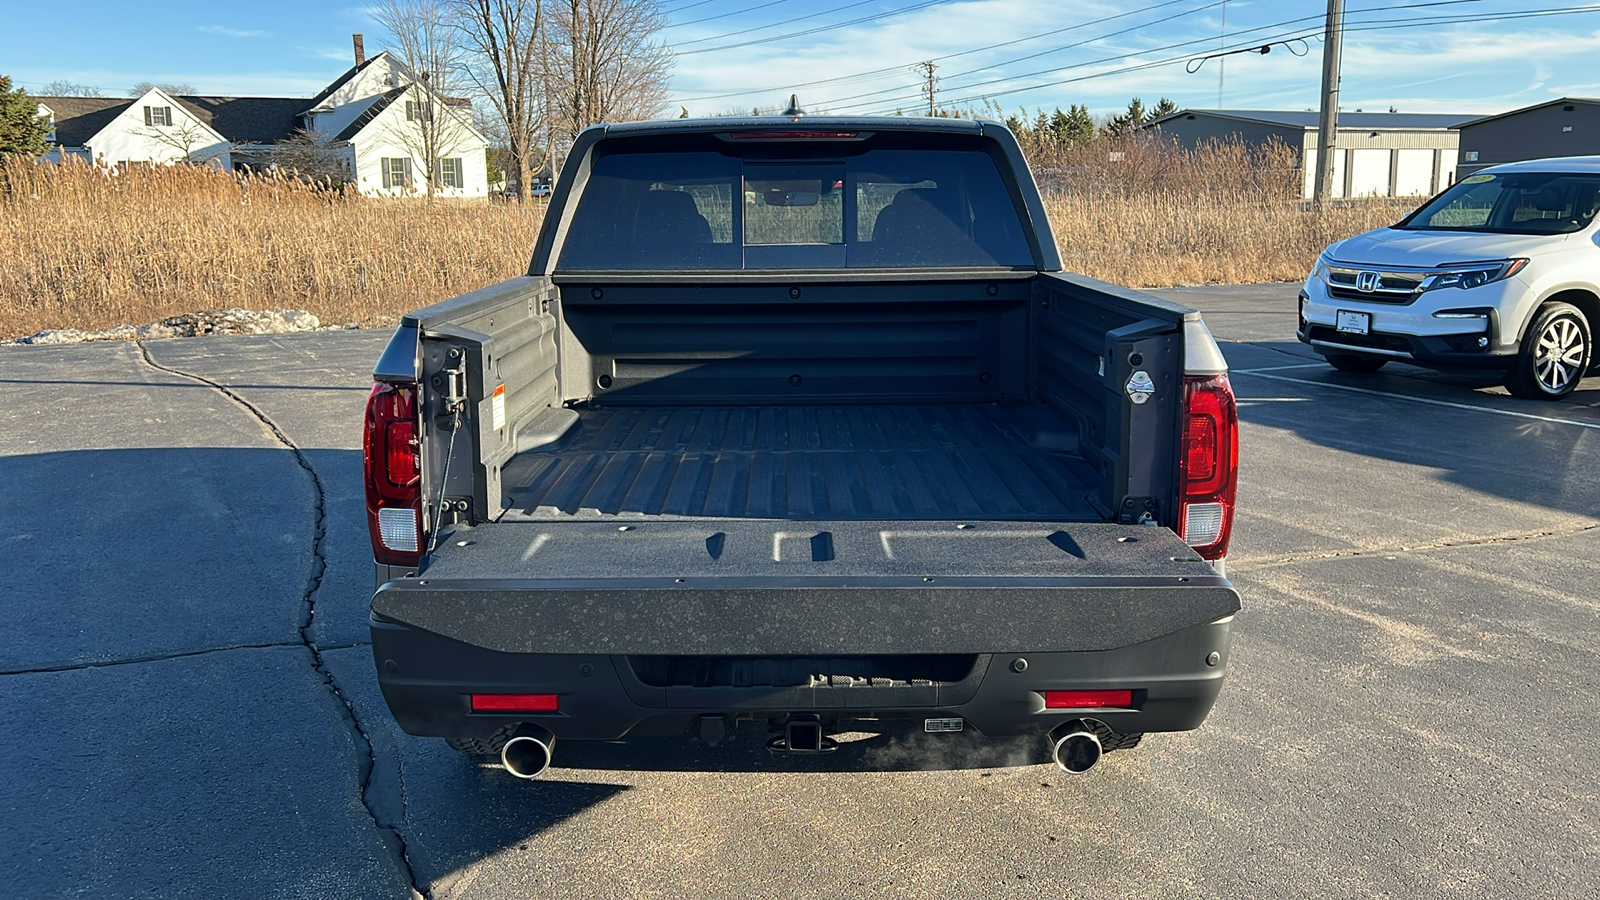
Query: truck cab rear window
x,y
880,209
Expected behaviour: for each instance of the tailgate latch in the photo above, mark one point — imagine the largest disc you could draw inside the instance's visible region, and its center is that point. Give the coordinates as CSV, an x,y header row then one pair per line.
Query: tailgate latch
x,y
1140,387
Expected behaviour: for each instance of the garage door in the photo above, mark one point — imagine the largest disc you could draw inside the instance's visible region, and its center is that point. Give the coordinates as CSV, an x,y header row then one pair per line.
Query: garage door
x,y
1369,173
1413,173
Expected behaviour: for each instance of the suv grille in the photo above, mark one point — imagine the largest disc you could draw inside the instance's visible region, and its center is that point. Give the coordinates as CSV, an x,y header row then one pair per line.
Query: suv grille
x,y
1389,287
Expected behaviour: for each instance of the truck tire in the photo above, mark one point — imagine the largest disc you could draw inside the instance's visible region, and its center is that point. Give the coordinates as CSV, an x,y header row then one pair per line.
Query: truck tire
x,y
1556,352
489,746
1354,362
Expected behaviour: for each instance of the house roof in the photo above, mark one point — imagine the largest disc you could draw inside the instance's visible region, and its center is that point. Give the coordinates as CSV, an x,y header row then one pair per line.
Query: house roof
x,y
80,118
243,120
341,81
1309,119
1523,109
248,120
371,112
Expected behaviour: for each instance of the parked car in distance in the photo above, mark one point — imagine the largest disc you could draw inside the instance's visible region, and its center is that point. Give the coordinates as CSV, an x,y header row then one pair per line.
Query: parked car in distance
x,y
1501,271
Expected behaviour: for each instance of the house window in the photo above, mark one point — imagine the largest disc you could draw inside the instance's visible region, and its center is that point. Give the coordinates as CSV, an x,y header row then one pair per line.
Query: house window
x,y
1470,156
158,115
450,173
419,112
397,172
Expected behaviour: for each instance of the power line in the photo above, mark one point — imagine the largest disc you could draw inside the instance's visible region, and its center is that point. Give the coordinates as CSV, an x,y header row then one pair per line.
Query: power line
x,y
874,72
794,34
773,24
1385,26
1255,41
725,15
1017,59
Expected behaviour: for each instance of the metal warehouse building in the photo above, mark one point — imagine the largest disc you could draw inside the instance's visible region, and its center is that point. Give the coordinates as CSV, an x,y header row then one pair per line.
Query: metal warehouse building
x,y
1378,154
1566,127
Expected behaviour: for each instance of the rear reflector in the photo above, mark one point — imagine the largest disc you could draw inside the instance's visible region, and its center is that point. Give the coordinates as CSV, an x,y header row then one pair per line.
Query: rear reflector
x,y
1088,699
515,702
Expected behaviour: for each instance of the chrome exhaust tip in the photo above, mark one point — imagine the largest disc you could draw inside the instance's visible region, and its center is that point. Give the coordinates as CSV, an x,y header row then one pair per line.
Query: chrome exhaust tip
x,y
1075,747
528,752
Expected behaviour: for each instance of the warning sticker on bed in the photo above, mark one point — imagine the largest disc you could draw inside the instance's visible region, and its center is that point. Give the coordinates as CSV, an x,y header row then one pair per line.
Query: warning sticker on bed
x,y
497,408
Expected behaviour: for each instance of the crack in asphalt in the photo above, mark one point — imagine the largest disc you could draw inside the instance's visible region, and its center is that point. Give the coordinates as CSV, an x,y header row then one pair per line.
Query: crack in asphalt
x,y
1271,562
319,567
176,654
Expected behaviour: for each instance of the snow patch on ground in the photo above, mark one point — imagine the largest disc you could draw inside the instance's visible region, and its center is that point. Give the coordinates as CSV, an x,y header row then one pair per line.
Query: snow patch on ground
x,y
211,321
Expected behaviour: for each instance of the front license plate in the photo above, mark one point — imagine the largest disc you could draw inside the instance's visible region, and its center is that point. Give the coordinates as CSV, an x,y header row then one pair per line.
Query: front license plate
x,y
1355,322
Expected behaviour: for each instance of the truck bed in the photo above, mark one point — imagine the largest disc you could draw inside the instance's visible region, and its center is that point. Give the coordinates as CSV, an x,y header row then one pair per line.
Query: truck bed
x,y
980,461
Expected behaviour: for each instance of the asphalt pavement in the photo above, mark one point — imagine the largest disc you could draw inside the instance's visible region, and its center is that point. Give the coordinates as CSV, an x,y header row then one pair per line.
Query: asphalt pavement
x,y
188,708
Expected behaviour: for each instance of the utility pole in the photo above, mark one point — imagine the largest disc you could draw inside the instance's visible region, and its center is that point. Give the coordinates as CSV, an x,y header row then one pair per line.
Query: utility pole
x,y
1328,122
1222,61
931,87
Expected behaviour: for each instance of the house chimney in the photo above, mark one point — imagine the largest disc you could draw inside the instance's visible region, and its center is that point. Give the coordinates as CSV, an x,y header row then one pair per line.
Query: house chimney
x,y
361,50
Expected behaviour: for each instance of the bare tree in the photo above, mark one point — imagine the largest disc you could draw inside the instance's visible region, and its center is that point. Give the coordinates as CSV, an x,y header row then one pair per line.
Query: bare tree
x,y
143,87
63,88
306,153
607,63
197,143
504,40
428,41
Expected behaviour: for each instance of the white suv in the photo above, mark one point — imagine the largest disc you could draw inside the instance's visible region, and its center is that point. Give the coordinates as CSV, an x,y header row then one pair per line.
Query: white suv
x,y
1501,271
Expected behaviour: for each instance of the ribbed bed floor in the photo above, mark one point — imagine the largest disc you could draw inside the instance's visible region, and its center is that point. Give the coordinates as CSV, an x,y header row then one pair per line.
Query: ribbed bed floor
x,y
809,462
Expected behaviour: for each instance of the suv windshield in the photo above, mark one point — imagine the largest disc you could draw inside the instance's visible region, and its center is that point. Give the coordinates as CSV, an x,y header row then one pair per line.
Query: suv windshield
x,y
871,208
1512,203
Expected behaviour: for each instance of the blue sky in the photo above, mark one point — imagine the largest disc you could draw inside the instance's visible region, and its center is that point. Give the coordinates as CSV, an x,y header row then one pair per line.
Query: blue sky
x,y
863,52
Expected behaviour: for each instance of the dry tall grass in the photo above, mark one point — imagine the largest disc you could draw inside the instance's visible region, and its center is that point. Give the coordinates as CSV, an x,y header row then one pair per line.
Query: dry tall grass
x,y
1144,212
85,249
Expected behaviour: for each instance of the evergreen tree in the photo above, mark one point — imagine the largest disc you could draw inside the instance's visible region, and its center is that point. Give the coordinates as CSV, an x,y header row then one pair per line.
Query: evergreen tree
x,y
22,129
1137,114
1163,107
1080,125
1125,123
1058,127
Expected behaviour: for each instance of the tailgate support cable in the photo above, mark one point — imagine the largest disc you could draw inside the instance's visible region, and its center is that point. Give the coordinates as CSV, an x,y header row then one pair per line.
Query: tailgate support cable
x,y
438,508
456,401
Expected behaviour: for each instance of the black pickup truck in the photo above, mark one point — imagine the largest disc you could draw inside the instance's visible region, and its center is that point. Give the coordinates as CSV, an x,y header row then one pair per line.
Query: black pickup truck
x,y
797,424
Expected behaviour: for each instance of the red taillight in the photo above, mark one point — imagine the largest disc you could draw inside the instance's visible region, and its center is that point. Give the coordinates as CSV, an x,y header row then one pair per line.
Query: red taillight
x,y
402,456
1208,474
393,474
1088,699
516,702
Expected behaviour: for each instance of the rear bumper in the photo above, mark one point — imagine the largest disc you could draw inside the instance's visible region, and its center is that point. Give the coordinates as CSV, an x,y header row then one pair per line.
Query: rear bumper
x,y
427,680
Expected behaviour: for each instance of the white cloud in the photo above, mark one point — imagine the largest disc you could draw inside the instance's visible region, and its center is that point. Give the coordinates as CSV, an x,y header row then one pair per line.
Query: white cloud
x,y
342,54
225,31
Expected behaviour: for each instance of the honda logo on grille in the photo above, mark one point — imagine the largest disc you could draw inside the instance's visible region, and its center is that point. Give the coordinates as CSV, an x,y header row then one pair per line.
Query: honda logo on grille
x,y
1367,282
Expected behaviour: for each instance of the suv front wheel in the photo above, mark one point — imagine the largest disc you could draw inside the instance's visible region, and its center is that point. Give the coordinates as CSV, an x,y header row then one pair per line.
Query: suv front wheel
x,y
1555,353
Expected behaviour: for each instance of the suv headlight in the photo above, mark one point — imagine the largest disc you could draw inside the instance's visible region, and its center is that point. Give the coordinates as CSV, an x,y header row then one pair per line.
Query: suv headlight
x,y
1471,275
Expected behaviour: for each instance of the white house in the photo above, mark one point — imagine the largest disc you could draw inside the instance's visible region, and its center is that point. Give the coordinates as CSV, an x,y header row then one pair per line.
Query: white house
x,y
378,119
153,129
